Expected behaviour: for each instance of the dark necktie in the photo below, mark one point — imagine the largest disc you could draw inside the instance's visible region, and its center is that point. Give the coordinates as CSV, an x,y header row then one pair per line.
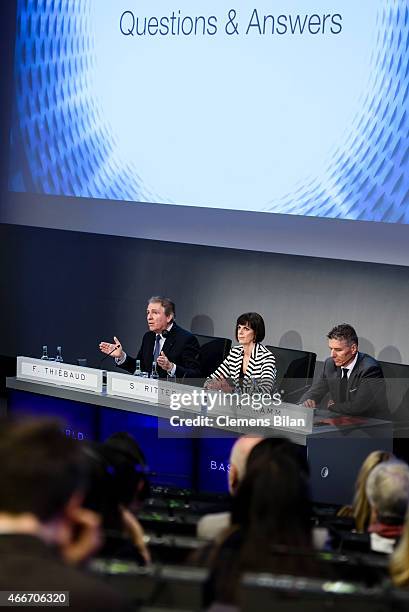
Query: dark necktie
x,y
343,385
156,350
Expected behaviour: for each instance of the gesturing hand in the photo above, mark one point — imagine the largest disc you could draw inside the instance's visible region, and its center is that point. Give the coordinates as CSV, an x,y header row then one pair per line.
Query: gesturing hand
x,y
84,538
114,349
218,384
164,362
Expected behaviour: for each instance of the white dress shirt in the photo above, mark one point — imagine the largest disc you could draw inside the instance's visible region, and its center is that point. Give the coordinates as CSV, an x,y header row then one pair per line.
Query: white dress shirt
x,y
349,367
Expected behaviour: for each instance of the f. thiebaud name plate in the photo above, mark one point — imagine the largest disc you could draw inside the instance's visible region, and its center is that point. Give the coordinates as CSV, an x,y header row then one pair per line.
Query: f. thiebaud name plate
x,y
61,374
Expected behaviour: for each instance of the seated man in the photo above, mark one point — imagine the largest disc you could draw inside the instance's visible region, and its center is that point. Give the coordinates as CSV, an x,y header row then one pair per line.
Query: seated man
x,y
353,380
387,489
211,525
43,528
175,350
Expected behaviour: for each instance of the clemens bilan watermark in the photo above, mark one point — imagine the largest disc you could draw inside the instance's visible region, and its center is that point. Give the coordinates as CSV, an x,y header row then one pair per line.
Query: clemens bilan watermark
x,y
231,410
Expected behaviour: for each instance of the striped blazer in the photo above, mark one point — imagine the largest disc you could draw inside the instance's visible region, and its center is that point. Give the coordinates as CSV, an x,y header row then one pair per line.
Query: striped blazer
x,y
261,369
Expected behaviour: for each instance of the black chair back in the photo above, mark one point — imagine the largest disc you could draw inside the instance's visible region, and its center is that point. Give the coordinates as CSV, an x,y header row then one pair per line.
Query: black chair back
x,y
212,352
295,371
397,395
292,594
397,390
155,586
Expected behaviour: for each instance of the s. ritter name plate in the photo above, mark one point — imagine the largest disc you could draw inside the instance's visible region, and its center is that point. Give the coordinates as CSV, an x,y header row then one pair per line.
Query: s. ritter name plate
x,y
153,390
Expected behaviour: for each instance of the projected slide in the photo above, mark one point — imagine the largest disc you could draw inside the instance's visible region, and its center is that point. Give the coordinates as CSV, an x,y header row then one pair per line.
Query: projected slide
x,y
293,106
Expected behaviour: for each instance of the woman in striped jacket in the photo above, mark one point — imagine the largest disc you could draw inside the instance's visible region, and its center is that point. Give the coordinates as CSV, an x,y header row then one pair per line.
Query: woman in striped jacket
x,y
249,365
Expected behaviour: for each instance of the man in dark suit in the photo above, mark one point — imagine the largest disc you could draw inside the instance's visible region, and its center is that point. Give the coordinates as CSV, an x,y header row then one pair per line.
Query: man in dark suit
x,y
175,350
353,380
44,531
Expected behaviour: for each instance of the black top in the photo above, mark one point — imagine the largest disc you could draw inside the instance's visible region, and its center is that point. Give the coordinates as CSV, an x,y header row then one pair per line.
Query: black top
x,y
28,564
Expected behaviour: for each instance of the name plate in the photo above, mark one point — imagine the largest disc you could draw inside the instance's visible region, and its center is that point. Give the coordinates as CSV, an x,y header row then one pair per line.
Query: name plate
x,y
61,374
263,412
295,417
155,391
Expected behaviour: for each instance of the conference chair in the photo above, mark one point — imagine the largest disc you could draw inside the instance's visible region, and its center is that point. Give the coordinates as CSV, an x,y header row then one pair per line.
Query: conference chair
x,y
397,395
212,352
156,586
295,371
397,390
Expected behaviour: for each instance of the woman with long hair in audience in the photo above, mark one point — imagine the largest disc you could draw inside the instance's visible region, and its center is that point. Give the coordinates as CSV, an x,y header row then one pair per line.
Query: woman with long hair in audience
x,y
360,510
270,527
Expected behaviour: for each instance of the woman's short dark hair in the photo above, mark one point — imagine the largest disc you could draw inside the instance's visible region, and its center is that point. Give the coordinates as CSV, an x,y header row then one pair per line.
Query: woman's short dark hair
x,y
255,322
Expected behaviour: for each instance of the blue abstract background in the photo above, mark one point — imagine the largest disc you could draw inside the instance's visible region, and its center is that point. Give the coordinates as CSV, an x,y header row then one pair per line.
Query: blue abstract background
x,y
62,143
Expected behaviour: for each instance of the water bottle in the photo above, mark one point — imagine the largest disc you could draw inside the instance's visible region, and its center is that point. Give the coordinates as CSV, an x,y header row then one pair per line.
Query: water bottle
x,y
138,368
45,352
58,356
171,378
154,373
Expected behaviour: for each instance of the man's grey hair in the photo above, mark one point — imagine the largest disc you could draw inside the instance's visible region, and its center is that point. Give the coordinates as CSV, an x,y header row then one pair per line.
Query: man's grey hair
x,y
387,489
168,305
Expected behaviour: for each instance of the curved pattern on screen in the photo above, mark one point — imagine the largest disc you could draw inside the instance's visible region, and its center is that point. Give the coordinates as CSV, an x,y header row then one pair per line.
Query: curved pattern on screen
x,y
61,144
368,176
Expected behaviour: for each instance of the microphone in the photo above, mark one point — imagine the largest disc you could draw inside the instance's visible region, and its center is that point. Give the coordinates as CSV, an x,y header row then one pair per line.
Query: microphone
x,y
117,346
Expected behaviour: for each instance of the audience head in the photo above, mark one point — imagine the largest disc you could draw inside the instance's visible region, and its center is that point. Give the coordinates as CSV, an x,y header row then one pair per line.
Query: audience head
x,y
117,478
267,450
254,322
41,469
361,507
273,497
128,464
238,458
387,489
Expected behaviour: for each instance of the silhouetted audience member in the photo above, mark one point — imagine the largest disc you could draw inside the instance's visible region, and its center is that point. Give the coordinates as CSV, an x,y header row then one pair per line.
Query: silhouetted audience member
x,y
117,487
387,489
360,509
43,526
271,527
130,464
